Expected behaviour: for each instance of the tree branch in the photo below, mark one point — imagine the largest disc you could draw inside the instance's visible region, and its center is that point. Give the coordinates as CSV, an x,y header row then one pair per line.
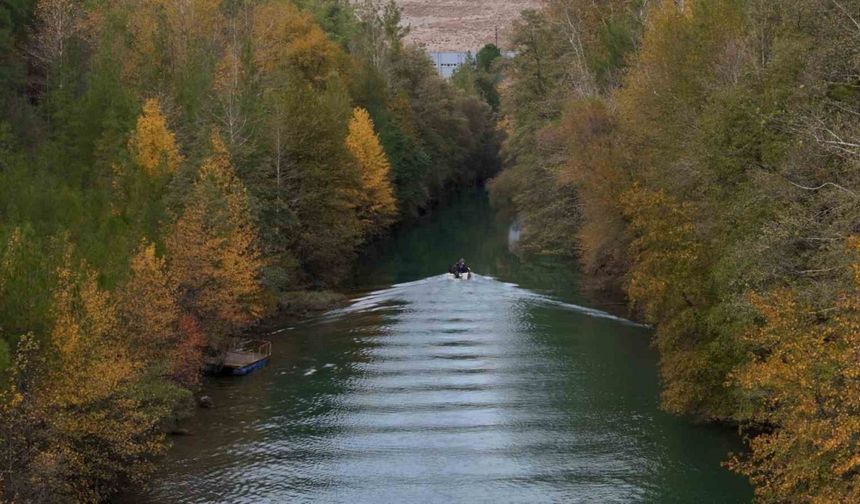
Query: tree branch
x,y
847,14
822,186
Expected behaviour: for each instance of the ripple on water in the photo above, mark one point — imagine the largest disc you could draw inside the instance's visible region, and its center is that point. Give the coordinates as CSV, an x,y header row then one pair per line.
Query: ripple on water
x,y
436,391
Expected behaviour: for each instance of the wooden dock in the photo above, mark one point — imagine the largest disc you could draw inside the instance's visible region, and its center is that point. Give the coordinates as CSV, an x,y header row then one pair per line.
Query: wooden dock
x,y
246,356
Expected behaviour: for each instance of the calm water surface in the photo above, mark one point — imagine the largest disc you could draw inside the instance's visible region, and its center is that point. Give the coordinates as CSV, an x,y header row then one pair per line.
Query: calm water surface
x,y
505,388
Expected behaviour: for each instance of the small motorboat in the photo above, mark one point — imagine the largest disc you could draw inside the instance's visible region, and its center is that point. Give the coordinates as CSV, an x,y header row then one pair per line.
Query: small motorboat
x,y
460,271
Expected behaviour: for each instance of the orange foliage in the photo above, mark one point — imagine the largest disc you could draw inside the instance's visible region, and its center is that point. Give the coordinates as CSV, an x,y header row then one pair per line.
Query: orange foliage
x,y
806,376
187,358
286,38
213,250
148,307
87,403
169,342
595,166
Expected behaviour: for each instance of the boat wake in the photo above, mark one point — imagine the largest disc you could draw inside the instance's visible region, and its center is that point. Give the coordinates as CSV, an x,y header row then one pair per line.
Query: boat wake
x,y
440,289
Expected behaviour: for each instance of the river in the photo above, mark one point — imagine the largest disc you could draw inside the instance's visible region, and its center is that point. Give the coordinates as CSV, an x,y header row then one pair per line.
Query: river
x,y
509,387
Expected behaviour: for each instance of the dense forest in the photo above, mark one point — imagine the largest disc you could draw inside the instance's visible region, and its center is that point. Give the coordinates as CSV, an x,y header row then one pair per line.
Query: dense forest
x,y
703,158
169,171
174,171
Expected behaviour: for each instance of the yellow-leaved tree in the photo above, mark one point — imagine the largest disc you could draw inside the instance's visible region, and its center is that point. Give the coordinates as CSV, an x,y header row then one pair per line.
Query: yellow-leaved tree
x,y
376,204
287,39
148,307
152,144
213,252
152,321
138,185
86,418
805,374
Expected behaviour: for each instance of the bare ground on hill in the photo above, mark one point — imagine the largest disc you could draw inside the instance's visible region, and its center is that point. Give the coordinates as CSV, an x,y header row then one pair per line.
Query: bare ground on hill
x,y
460,25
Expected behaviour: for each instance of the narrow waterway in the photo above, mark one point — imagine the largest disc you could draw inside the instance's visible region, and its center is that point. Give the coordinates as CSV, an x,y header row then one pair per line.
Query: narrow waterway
x,y
503,388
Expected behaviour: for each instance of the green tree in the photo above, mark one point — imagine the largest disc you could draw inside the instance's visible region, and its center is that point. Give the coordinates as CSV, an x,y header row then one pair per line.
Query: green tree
x,y
487,56
14,18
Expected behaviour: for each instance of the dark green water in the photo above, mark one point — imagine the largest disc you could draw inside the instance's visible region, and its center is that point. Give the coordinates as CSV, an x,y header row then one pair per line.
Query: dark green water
x,y
503,388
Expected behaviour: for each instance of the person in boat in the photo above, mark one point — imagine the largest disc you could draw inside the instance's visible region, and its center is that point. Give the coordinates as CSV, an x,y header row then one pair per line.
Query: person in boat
x,y
460,268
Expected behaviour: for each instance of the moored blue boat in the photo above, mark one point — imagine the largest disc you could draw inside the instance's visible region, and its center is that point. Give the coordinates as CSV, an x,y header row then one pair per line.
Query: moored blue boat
x,y
250,368
246,357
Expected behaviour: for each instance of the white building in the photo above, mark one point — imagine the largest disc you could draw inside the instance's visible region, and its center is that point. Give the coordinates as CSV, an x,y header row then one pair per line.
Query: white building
x,y
448,62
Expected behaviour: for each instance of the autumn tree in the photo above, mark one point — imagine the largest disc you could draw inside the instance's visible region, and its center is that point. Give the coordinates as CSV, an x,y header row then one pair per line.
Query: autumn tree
x,y
596,167
319,181
149,312
213,251
712,157
172,47
287,40
309,180
152,144
552,73
148,307
98,413
804,375
187,360
377,206
667,282
172,255
140,183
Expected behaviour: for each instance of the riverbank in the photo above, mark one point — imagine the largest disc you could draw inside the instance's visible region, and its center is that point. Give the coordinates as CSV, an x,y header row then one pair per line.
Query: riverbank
x,y
168,169
702,156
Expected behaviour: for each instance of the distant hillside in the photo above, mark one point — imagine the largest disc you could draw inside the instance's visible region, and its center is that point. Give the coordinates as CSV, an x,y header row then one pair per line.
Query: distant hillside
x,y
450,25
